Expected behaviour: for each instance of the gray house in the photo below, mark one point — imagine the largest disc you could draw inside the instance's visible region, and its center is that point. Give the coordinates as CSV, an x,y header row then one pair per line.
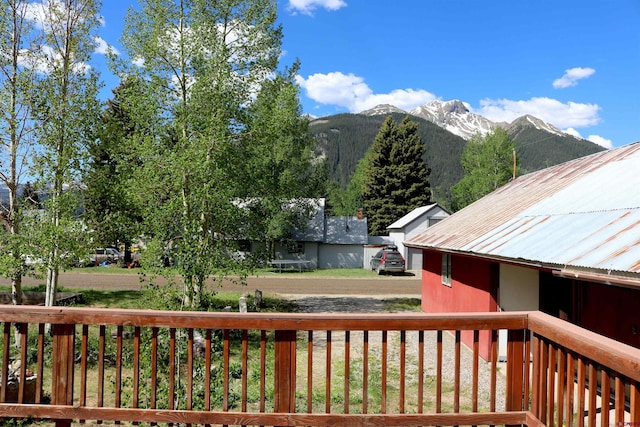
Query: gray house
x,y
328,241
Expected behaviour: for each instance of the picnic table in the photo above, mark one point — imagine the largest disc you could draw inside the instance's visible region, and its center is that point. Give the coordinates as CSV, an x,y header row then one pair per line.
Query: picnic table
x,y
283,264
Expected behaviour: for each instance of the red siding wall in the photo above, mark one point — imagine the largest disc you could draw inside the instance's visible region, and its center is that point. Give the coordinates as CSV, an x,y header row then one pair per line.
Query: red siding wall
x,y
473,288
611,311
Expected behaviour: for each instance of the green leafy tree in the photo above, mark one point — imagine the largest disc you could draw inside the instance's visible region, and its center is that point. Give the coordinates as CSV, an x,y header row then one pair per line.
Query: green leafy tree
x,y
396,178
277,164
65,119
202,63
488,165
18,42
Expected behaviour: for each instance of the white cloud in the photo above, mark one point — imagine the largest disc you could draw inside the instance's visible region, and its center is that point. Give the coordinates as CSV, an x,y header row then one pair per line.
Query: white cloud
x,y
102,47
596,139
351,92
308,6
571,77
561,115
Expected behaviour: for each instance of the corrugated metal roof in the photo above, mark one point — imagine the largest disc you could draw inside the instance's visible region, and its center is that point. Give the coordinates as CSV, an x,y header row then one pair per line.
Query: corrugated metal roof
x,y
412,216
584,213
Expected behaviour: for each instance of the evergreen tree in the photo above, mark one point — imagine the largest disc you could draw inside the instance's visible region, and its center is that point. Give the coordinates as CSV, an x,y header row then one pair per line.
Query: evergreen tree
x,y
488,165
396,178
110,208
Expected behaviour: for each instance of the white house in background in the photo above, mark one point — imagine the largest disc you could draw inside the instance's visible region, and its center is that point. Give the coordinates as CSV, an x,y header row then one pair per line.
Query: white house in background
x,y
412,224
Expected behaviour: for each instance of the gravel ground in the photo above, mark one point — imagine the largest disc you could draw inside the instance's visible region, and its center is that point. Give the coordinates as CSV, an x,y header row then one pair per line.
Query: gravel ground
x,y
376,304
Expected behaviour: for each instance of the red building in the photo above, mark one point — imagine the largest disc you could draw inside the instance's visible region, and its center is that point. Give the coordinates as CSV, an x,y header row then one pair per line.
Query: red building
x,y
564,240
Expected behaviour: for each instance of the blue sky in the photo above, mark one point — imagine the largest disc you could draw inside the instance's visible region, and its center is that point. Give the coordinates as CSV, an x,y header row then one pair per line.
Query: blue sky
x,y
574,64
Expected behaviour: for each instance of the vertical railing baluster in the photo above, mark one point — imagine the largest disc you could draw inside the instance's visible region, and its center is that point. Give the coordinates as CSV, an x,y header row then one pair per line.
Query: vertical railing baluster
x,y
347,369
620,400
535,386
383,409
136,368
226,351
542,391
456,373
189,396
245,369
571,369
527,370
494,370
403,369
327,385
581,391
6,342
263,368
634,401
118,366
101,356
551,384
605,396
40,363
309,371
84,353
560,406
593,393
365,371
154,368
474,371
207,370
439,372
515,370
172,369
24,334
420,371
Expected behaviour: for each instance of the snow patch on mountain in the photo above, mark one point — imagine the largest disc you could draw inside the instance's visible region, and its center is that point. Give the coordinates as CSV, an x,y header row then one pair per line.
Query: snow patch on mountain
x,y
456,117
528,120
382,109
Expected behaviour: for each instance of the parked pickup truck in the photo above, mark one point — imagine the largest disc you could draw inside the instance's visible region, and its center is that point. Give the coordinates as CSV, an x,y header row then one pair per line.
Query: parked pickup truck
x,y
101,255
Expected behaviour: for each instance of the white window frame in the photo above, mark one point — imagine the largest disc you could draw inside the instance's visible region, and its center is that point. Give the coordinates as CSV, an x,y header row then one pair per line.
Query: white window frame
x,y
446,270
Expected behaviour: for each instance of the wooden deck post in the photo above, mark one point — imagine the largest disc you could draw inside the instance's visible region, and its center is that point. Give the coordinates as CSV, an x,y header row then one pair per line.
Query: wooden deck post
x,y
62,375
515,399
285,372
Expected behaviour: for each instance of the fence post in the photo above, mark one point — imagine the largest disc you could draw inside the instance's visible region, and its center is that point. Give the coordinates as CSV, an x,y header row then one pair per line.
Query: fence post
x,y
285,372
515,371
62,372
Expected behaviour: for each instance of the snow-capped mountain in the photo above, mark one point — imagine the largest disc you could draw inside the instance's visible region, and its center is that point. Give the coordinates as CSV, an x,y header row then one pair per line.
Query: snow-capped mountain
x,y
382,109
456,117
529,121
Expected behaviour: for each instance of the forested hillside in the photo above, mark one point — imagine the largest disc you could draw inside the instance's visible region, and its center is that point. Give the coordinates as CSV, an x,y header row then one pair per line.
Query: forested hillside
x,y
538,149
344,139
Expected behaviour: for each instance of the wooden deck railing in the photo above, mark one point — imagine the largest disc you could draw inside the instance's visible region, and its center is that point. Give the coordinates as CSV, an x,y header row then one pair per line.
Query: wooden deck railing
x,y
311,369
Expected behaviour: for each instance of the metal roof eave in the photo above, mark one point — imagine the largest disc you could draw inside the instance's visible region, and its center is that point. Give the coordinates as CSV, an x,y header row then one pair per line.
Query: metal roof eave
x,y
615,278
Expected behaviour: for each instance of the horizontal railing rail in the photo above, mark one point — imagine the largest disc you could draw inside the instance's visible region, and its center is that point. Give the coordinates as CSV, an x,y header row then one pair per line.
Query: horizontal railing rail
x,y
308,369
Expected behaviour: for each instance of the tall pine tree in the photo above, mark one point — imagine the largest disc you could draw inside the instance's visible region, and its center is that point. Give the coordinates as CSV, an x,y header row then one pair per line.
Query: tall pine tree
x,y
396,177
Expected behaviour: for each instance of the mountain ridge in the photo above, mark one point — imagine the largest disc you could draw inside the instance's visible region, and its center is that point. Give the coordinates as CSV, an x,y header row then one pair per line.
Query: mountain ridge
x,y
456,117
343,140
